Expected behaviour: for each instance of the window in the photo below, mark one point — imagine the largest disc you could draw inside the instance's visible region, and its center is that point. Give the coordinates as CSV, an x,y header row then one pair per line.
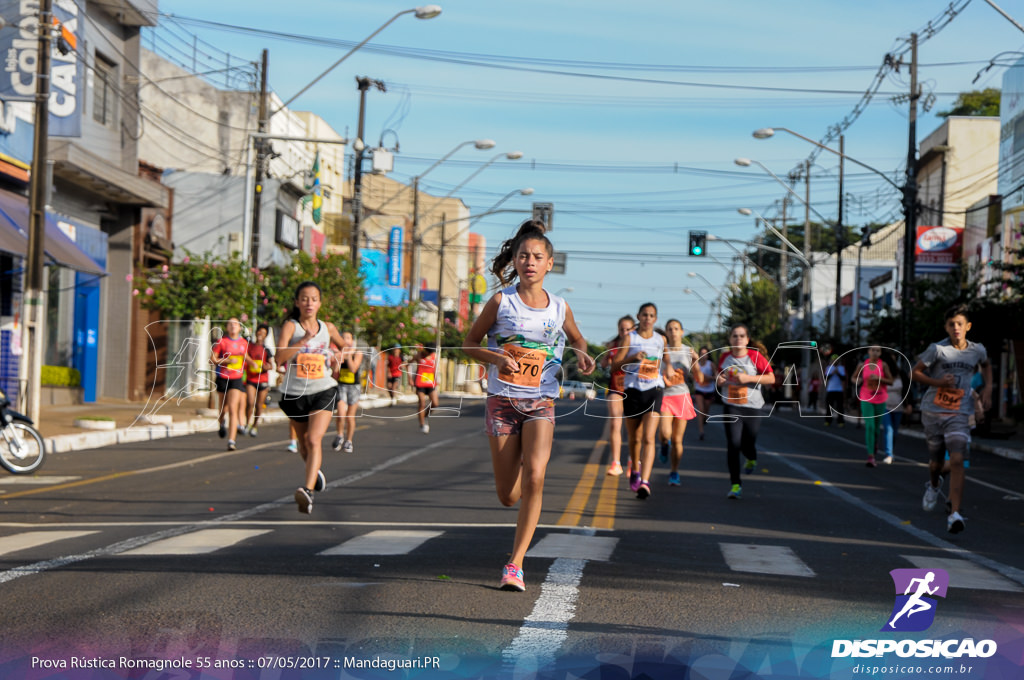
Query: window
x,y
104,91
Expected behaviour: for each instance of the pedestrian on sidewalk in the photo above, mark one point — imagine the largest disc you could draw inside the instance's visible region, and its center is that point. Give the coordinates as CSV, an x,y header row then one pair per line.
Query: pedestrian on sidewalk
x,y
228,355
947,367
741,373
308,392
897,404
873,379
527,329
835,391
258,364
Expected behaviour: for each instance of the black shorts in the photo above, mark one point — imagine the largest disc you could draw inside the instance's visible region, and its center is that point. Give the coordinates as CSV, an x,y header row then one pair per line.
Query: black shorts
x,y
225,384
299,408
392,379
260,386
425,390
638,403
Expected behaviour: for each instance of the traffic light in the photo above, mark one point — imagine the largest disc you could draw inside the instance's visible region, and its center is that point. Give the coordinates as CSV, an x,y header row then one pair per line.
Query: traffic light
x,y
698,243
543,212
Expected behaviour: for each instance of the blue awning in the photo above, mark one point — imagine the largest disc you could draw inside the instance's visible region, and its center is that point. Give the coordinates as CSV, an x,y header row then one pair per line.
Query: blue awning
x,y
60,249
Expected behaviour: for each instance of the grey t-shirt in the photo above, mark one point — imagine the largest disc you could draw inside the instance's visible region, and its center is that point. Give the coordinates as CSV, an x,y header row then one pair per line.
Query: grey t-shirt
x,y
942,358
682,360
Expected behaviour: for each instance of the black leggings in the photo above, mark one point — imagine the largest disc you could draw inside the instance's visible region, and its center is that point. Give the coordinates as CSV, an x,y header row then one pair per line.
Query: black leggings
x,y
741,437
834,402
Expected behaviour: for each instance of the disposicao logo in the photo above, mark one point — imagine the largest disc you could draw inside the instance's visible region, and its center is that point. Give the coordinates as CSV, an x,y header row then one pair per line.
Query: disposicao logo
x,y
916,589
914,610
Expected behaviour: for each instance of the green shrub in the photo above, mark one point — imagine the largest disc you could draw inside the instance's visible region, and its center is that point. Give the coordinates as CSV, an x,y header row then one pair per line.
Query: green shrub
x,y
60,376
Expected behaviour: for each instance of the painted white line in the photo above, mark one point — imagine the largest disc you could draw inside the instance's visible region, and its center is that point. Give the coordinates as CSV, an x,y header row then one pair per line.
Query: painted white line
x,y
860,445
383,542
199,542
132,543
298,522
31,539
546,628
42,479
764,559
963,574
574,546
1009,572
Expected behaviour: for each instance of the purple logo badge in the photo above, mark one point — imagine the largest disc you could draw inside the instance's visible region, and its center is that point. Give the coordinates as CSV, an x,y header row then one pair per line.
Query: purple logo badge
x,y
914,608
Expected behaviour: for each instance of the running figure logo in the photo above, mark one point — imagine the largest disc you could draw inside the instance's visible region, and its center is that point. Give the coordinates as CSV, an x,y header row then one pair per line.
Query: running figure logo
x,y
913,609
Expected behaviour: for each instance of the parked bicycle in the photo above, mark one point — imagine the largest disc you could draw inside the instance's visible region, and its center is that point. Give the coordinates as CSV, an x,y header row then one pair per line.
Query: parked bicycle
x,y
22,450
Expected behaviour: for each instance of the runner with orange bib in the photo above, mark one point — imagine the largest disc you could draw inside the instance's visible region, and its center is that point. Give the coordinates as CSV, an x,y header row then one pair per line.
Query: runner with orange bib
x,y
258,364
615,393
425,382
228,355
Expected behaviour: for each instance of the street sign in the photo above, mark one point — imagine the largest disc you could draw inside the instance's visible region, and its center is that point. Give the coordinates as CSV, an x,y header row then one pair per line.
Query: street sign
x,y
559,267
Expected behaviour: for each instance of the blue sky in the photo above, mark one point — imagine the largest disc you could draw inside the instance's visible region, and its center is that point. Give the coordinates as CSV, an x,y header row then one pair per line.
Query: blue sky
x,y
604,150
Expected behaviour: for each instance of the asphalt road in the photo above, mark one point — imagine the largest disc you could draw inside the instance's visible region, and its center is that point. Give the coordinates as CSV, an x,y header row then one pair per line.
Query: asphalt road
x,y
177,549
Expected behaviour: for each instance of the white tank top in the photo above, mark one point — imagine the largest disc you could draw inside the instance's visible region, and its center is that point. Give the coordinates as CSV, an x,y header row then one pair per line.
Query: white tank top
x,y
682,360
309,371
644,372
535,339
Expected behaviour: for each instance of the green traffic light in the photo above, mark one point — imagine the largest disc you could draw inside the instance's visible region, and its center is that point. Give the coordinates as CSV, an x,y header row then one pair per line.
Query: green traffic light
x,y
697,250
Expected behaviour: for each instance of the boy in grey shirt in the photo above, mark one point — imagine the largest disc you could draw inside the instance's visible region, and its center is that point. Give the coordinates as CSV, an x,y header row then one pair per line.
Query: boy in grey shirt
x,y
947,367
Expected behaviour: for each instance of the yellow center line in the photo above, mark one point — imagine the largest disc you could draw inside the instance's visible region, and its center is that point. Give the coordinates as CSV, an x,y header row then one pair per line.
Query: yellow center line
x,y
604,513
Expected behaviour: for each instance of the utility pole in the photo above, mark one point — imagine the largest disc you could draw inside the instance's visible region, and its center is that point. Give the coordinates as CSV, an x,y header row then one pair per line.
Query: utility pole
x,y
837,326
364,84
261,166
414,260
32,344
808,286
783,277
910,201
440,287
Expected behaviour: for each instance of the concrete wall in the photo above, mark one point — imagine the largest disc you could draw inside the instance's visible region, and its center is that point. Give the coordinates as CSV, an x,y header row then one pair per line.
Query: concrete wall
x,y
960,167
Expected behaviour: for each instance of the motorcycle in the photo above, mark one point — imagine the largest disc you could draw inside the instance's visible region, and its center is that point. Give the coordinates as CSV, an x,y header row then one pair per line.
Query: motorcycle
x,y
22,450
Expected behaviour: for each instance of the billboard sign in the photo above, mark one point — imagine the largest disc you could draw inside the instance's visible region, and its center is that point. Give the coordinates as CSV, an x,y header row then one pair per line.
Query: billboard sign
x,y
395,257
938,249
19,45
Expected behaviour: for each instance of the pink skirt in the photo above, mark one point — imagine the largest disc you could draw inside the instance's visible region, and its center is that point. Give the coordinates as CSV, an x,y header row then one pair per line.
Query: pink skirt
x,y
678,406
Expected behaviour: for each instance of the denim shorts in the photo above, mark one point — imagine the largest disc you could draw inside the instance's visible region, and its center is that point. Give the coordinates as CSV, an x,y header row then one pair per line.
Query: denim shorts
x,y
506,415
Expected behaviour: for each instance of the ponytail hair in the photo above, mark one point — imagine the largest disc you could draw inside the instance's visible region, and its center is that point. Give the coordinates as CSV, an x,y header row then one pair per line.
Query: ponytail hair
x,y
294,315
503,264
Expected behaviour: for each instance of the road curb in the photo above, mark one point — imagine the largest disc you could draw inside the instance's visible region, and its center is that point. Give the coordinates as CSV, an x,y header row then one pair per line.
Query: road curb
x,y
95,439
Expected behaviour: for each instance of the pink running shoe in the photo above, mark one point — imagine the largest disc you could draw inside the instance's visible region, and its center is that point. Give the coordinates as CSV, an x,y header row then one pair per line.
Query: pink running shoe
x,y
615,469
512,578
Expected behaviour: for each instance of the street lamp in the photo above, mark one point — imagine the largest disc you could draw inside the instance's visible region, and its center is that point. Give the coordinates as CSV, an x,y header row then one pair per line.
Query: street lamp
x,y
418,242
909,218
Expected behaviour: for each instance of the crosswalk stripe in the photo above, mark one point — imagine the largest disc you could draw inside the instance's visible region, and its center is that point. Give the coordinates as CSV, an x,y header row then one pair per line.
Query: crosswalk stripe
x,y
31,539
574,546
764,559
197,542
383,542
38,480
964,574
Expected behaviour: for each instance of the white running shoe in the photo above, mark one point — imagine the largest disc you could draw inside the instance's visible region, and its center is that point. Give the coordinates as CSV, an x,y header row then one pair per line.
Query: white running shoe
x,y
955,523
931,497
425,429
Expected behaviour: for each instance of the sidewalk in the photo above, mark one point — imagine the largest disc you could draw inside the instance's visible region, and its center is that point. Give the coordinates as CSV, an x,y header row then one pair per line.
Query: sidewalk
x,y
126,421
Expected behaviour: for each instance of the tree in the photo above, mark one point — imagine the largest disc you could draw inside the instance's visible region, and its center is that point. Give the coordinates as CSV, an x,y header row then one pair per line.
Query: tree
x,y
974,103
343,298
199,286
755,303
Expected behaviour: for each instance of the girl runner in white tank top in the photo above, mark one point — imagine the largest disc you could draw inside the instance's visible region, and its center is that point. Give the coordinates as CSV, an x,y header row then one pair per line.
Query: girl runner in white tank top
x,y
527,328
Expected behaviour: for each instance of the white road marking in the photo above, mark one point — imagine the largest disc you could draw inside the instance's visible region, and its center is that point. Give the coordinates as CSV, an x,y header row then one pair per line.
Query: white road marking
x,y
1012,573
964,574
546,628
197,542
132,543
764,559
31,539
574,546
38,481
383,542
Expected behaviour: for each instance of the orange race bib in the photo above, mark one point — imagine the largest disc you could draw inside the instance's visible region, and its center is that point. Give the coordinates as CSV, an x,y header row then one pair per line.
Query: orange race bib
x,y
310,366
531,366
679,377
736,395
648,369
235,362
948,398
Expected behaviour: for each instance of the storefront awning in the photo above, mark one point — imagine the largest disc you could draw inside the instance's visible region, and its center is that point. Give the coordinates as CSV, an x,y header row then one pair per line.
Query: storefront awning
x,y
58,247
